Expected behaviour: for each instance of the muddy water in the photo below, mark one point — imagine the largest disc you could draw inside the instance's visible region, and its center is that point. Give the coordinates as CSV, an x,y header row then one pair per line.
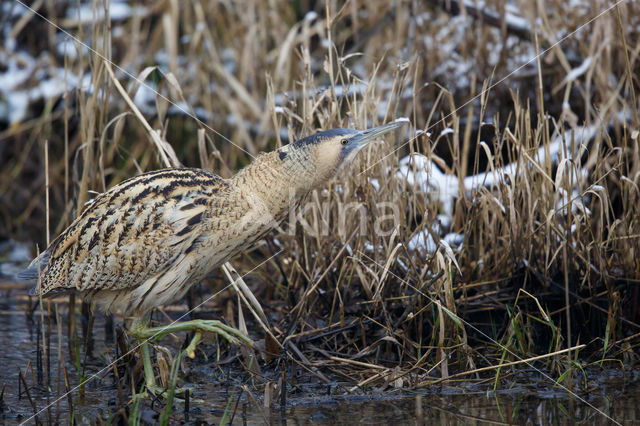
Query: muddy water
x,y
530,399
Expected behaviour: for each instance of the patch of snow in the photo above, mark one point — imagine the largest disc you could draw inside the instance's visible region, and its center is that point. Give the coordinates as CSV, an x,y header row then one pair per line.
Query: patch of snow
x,y
349,250
424,175
145,99
118,11
417,170
444,220
577,205
10,44
423,241
15,74
375,184
12,9
516,22
574,226
18,106
454,239
67,48
575,73
407,93
340,91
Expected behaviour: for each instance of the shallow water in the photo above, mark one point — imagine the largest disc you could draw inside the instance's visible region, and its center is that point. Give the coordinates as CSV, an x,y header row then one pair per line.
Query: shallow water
x,y
529,400
614,393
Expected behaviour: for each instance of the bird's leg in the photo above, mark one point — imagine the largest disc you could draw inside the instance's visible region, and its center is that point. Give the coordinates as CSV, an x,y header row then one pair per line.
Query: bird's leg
x,y
191,349
145,334
149,376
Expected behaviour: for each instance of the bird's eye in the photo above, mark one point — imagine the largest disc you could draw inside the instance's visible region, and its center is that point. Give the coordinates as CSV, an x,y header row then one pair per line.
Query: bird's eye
x,y
344,142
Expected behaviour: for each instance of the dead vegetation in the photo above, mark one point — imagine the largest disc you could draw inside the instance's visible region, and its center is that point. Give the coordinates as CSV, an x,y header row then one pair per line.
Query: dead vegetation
x,y
537,183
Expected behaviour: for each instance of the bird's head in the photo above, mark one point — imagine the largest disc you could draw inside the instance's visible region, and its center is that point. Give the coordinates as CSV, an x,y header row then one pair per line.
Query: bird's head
x,y
324,154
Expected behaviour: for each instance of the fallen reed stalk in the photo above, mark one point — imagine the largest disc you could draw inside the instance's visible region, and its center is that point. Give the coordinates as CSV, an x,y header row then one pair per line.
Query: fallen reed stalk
x,y
494,367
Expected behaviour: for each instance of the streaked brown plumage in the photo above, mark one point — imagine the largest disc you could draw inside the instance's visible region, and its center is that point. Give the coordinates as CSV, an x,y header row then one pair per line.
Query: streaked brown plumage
x,y
142,243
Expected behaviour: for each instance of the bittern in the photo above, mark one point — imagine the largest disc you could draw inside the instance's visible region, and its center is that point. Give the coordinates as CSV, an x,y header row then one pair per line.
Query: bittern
x,y
144,242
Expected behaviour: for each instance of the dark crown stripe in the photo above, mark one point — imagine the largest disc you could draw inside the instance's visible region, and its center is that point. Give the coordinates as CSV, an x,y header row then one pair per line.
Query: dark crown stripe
x,y
321,136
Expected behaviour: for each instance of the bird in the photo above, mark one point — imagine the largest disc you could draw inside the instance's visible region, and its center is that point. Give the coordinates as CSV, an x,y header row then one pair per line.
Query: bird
x,y
143,243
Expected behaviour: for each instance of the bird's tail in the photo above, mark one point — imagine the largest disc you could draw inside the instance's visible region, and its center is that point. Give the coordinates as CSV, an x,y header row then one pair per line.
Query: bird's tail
x,y
36,267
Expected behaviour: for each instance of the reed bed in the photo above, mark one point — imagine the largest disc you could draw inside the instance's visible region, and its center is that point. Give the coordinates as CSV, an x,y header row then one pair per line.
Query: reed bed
x,y
499,234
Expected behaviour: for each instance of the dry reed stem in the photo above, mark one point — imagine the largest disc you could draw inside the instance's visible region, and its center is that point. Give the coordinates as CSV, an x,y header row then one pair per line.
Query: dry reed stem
x,y
501,365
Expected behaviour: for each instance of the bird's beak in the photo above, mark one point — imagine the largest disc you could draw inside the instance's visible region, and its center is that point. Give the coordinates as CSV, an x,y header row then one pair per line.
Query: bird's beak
x,y
363,137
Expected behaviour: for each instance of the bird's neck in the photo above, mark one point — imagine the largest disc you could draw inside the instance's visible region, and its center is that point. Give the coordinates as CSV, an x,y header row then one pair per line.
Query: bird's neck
x,y
273,184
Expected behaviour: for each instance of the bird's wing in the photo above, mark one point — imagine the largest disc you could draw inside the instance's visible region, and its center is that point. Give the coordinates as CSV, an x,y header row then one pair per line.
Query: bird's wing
x,y
130,233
